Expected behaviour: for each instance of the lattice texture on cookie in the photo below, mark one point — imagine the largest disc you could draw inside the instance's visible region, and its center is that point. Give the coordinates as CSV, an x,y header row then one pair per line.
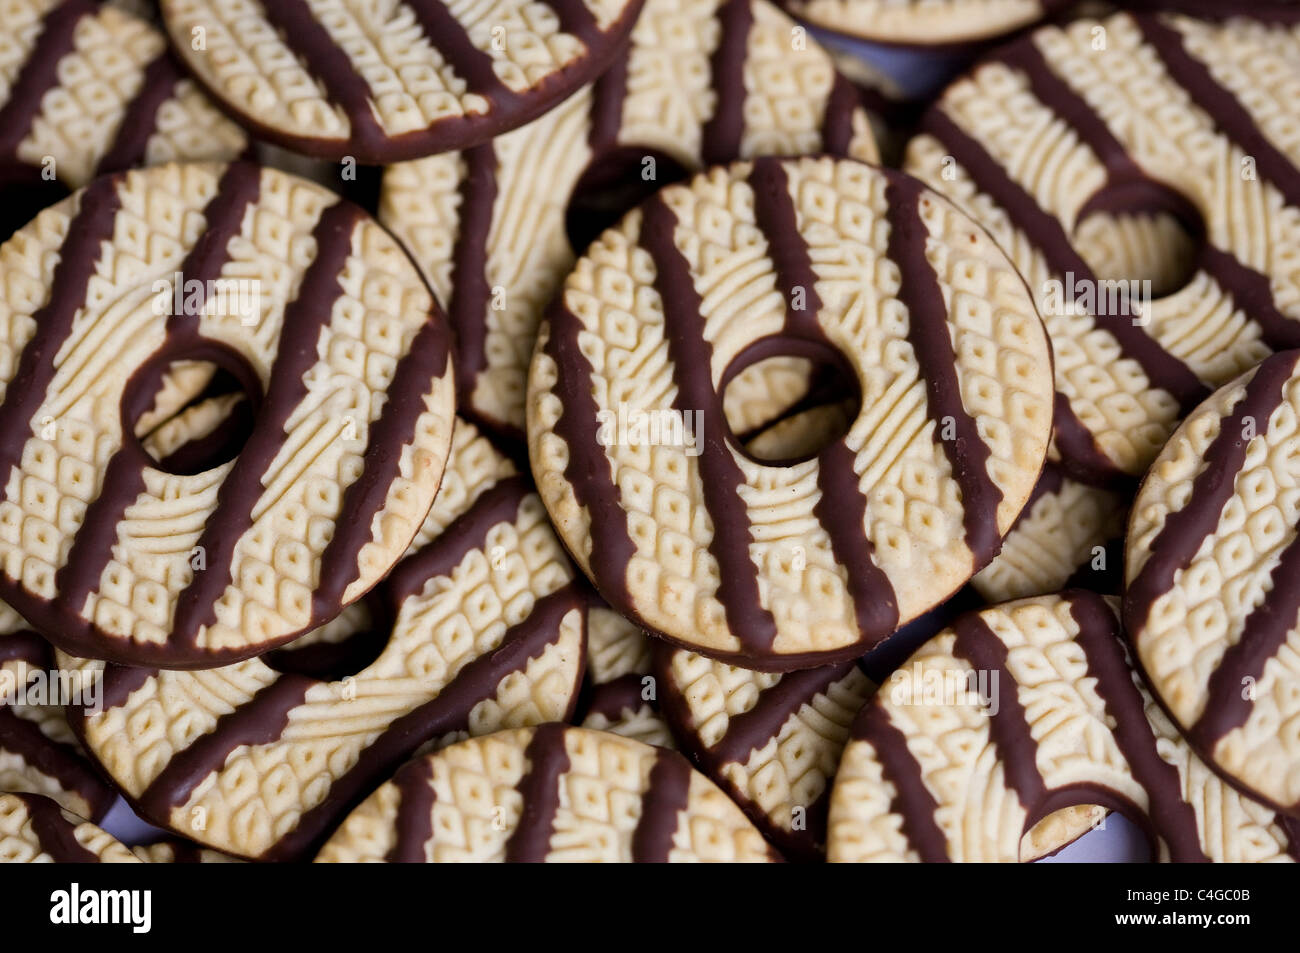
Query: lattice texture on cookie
x,y
34,830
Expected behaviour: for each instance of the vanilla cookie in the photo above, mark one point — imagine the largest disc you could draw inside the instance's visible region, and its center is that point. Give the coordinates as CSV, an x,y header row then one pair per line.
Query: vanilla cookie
x,y
549,794
482,628
923,23
1212,563
780,567
87,89
973,749
35,830
621,695
380,83
770,741
173,850
1070,535
1191,118
702,82
333,336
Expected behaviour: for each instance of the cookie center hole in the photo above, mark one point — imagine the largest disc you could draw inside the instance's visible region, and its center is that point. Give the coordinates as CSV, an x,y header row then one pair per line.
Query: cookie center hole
x,y
786,408
190,414
1141,238
339,649
613,183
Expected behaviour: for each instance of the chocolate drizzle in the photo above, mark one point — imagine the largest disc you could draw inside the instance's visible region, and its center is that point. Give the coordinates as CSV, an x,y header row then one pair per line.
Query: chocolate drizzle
x,y
470,291
39,73
26,646
414,824
140,120
837,122
575,19
751,730
931,339
548,761
54,832
666,797
608,95
617,697
720,475
56,760
448,36
722,134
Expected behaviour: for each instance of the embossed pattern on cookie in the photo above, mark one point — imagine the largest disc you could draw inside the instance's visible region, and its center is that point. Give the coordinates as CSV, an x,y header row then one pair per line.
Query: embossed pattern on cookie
x,y
1011,715
332,334
35,830
550,794
383,82
487,632
923,22
781,567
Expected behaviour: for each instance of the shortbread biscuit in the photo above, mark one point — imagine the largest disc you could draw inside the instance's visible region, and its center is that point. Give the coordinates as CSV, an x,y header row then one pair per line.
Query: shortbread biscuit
x,y
87,88
782,567
924,23
702,82
622,695
261,759
770,741
1070,536
1194,117
385,82
1013,714
1213,581
35,830
549,794
327,325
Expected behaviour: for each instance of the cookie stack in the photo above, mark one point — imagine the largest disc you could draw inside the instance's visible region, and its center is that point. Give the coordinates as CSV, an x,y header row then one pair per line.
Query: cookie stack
x,y
545,432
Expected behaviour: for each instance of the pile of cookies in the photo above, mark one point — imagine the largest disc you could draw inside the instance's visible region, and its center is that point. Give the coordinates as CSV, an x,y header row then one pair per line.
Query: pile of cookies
x,y
545,431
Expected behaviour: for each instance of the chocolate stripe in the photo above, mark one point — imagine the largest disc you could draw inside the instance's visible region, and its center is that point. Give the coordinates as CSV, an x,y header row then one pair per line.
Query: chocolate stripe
x,y
837,121
304,319
448,712
1046,233
1252,293
140,119
54,832
56,760
912,800
414,378
1009,728
614,698
666,797
91,551
720,475
931,339
1184,530
1099,637
26,646
722,134
751,730
448,36
1078,447
539,789
259,721
469,531
39,73
329,64
470,291
120,682
218,445
413,827
607,98
576,19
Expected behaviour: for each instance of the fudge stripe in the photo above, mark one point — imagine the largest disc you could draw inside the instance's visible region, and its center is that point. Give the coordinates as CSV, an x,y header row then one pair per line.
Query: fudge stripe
x,y
666,797
611,699
1252,292
118,683
931,340
575,19
722,134
470,291
691,353
55,833
837,121
448,36
39,73
140,120
304,320
912,800
1076,443
91,551
607,98
539,788
56,760
1184,530
417,370
414,823
842,508
1045,232
328,63
25,646
1009,727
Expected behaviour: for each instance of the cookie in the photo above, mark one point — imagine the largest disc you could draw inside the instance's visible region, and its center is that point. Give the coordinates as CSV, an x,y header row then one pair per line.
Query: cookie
x,y
923,23
702,81
1013,714
35,830
173,850
482,628
330,332
38,753
383,83
554,794
772,742
87,89
1070,536
1189,119
1211,565
622,695
784,567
